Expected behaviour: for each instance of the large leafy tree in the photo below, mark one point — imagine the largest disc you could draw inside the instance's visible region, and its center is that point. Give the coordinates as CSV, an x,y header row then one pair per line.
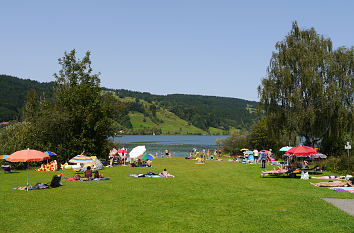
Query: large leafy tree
x,y
89,115
304,90
79,118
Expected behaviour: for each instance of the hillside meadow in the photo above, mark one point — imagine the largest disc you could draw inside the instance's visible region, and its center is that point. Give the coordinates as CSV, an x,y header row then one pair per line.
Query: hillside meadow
x,y
215,197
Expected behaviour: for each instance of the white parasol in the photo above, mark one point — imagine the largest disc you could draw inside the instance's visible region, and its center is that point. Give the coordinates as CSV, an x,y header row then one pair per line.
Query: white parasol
x,y
136,152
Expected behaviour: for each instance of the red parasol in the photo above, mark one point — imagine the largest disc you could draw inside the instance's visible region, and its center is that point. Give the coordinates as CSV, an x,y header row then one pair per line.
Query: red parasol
x,y
301,150
123,151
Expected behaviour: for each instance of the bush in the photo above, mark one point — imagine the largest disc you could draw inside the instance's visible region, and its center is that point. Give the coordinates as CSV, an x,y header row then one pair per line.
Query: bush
x,y
340,164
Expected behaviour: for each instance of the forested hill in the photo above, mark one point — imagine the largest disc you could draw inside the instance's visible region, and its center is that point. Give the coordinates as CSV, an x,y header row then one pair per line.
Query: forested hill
x,y
13,92
208,113
203,111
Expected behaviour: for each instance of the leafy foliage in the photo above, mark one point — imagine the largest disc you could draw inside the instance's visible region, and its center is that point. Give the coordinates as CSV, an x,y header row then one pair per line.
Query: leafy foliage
x,y
78,119
204,112
308,91
13,92
201,111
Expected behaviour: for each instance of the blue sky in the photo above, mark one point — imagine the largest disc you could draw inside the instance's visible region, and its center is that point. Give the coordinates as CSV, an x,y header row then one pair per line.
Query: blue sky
x,y
203,47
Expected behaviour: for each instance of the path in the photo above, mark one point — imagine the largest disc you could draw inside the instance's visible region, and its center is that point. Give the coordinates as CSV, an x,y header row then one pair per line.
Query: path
x,y
346,205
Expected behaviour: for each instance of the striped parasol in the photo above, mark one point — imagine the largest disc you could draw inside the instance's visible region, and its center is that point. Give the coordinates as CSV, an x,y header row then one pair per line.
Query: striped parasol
x,y
3,156
81,159
146,156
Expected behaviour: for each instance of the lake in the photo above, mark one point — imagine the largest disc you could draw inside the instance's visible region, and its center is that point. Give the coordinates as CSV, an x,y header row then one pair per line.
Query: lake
x,y
178,145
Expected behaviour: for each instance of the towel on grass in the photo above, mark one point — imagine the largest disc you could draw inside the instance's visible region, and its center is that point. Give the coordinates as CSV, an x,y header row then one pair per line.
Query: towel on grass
x,y
344,189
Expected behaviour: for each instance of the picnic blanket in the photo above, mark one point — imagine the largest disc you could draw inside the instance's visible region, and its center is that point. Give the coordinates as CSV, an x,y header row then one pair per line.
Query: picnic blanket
x,y
344,189
150,175
34,187
99,179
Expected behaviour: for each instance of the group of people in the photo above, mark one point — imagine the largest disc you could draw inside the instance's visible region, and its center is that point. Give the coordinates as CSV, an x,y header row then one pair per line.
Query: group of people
x,y
262,156
140,163
115,156
204,154
165,154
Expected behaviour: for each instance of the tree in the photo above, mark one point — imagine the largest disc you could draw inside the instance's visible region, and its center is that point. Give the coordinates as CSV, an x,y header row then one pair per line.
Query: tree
x,y
302,92
79,118
30,109
86,114
236,140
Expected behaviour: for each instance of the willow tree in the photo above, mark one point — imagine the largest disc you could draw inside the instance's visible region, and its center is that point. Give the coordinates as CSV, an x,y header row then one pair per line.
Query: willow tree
x,y
339,96
298,92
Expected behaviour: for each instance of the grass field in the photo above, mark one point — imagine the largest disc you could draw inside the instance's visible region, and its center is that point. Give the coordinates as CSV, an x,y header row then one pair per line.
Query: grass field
x,y
171,123
215,197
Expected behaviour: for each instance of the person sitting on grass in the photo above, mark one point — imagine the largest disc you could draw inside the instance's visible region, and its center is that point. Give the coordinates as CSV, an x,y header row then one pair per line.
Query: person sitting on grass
x,y
165,174
149,163
98,175
6,167
88,173
337,183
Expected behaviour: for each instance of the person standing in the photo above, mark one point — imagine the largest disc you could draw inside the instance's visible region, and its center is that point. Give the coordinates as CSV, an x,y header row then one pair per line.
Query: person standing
x,y
270,155
255,155
263,159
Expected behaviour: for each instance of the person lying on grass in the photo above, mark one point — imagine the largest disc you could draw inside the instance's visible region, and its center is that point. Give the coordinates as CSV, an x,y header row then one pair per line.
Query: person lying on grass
x,y
165,174
276,170
336,183
328,177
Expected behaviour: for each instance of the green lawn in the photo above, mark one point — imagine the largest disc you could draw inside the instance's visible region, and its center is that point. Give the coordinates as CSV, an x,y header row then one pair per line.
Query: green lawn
x,y
215,197
171,123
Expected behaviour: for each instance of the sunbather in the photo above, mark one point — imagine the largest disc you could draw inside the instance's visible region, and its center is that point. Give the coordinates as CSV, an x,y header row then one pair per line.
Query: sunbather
x,y
88,173
328,177
276,170
336,183
165,174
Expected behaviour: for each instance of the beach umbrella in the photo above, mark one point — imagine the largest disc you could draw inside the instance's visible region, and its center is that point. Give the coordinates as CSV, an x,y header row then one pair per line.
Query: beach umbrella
x,y
81,159
243,149
49,153
285,148
123,151
3,156
146,156
265,151
137,151
301,151
318,156
27,156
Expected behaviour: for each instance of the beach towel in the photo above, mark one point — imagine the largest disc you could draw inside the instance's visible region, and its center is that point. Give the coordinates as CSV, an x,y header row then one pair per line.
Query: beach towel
x,y
34,187
344,189
99,179
136,175
199,163
145,175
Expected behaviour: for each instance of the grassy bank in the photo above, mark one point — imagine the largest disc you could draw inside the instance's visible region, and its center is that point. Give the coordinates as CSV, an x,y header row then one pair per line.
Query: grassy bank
x,y
215,197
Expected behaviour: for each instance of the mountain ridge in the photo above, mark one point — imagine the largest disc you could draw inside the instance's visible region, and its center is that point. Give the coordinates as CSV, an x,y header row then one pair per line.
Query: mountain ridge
x,y
207,113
